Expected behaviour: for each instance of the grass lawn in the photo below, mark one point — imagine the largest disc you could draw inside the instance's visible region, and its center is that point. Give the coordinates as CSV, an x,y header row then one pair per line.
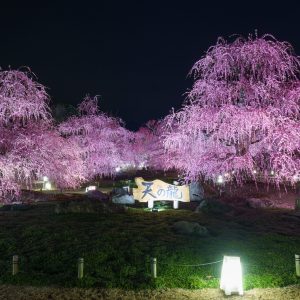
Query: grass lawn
x,y
117,247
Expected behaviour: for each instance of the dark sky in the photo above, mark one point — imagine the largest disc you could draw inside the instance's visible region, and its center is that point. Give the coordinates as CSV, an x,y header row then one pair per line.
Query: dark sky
x,y
135,55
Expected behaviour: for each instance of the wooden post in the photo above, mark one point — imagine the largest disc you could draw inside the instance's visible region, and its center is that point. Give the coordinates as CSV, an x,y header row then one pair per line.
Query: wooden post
x,y
80,267
297,263
15,264
153,267
297,200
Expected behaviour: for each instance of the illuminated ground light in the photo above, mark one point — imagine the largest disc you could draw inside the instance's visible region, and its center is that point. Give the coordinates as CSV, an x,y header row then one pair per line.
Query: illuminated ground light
x,y
90,188
156,208
48,186
231,276
220,179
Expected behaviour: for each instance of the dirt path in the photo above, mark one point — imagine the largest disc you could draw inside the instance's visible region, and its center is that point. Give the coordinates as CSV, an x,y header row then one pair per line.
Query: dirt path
x,y
9,292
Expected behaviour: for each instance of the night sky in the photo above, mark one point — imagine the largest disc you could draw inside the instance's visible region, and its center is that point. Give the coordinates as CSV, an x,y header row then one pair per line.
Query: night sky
x,y
135,55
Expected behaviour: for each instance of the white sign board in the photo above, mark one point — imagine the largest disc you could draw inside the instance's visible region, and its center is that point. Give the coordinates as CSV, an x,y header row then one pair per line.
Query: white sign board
x,y
157,190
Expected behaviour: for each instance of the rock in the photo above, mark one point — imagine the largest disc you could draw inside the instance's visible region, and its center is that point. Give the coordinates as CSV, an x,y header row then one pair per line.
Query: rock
x,y
21,207
196,191
119,192
6,207
259,203
33,196
190,228
82,206
290,218
200,206
15,207
121,196
97,195
123,199
213,206
296,213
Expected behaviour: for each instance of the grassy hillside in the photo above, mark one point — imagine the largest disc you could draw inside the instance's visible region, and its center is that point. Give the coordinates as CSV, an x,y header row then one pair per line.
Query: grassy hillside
x,y
117,246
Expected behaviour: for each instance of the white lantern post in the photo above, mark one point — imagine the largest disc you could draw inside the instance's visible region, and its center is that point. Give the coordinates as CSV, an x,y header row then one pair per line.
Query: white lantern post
x,y
231,276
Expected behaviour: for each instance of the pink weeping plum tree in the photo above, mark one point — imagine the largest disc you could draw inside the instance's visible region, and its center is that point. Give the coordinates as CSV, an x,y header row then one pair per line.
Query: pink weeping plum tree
x,y
30,146
41,150
241,116
103,140
147,146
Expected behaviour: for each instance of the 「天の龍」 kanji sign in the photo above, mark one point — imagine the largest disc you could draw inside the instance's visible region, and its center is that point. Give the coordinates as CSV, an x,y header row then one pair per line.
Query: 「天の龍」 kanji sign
x,y
157,190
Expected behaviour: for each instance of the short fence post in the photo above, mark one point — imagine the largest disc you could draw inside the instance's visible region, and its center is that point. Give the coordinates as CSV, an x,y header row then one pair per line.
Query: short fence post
x,y
297,204
80,267
153,267
15,264
297,200
297,263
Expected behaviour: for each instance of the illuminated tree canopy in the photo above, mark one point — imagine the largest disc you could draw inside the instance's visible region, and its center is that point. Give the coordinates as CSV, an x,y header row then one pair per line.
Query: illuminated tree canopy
x,y
147,146
241,115
102,139
22,98
30,145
